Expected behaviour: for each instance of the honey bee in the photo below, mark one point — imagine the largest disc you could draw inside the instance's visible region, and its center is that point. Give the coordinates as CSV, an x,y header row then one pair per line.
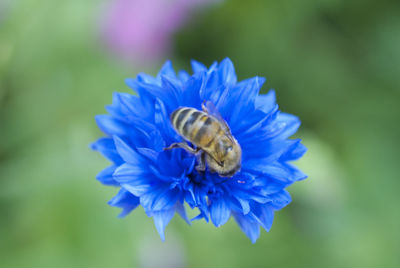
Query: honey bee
x,y
210,134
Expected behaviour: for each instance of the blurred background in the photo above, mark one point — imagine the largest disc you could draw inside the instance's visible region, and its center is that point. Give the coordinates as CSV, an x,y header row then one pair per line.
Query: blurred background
x,y
334,63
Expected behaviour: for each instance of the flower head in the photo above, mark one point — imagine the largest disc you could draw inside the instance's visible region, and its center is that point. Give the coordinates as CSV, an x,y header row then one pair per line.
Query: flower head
x,y
138,129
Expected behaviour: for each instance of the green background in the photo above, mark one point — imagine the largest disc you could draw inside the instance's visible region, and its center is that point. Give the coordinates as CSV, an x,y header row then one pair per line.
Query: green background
x,y
334,63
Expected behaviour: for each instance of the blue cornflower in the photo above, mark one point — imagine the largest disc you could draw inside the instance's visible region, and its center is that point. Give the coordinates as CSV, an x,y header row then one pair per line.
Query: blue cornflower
x,y
138,128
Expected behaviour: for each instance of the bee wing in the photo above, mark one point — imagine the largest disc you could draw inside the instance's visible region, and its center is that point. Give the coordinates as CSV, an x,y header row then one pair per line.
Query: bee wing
x,y
210,108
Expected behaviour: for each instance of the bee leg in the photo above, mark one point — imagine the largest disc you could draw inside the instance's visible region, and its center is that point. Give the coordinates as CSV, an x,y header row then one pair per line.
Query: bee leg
x,y
201,166
183,145
204,108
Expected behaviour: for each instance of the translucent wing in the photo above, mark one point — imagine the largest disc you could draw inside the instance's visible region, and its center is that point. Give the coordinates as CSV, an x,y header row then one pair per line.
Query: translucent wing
x,y
209,108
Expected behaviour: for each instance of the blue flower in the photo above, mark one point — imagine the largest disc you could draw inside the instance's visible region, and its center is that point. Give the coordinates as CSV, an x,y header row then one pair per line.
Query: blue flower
x,y
138,129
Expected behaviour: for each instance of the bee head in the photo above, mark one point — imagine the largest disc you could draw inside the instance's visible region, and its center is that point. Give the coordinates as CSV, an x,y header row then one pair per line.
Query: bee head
x,y
232,152
228,156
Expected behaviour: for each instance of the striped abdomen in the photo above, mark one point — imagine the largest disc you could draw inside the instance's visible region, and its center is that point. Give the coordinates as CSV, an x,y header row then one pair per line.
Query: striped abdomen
x,y
196,126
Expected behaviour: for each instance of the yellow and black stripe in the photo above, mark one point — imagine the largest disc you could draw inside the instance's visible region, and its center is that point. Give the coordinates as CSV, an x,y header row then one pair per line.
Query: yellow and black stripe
x,y
196,126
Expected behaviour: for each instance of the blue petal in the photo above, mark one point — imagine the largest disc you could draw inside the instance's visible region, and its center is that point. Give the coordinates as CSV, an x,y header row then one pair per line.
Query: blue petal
x,y
248,226
213,67
295,173
167,70
246,93
266,102
180,208
167,95
244,204
236,102
198,67
249,195
128,172
148,79
146,98
202,215
155,141
161,220
219,212
146,135
128,105
159,198
127,153
280,199
106,176
150,154
134,179
282,172
295,152
266,186
198,198
291,124
183,76
213,85
107,148
124,200
260,126
227,72
266,152
161,119
174,86
190,95
143,124
266,216
137,189
251,129
199,217
112,126
166,199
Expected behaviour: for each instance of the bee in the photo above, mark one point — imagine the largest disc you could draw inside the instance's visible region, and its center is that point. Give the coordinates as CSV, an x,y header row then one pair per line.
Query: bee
x,y
211,136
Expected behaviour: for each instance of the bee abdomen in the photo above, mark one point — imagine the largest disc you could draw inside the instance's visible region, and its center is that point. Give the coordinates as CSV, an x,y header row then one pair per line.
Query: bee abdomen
x,y
183,117
195,126
178,116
